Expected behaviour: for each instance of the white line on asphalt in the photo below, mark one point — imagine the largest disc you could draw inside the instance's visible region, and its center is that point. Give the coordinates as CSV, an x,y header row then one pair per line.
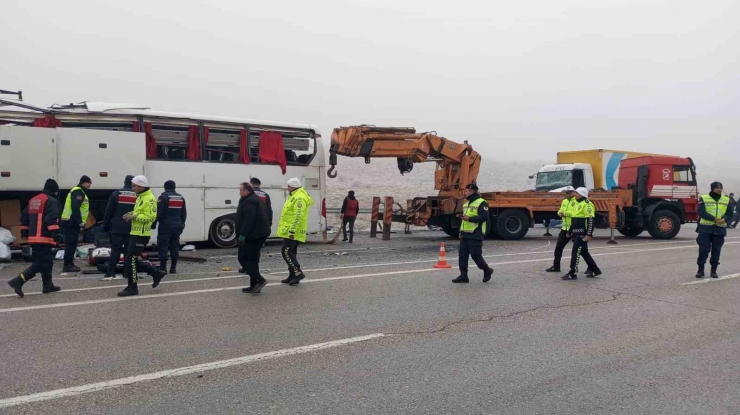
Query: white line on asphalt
x,y
182,371
706,280
346,277
313,252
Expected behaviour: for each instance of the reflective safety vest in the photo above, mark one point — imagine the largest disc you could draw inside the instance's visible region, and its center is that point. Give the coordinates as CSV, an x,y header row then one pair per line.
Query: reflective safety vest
x,y
146,214
84,207
471,210
294,218
717,209
583,209
565,209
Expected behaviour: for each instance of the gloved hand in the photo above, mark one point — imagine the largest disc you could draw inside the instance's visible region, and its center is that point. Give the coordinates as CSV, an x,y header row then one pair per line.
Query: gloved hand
x,y
154,225
242,240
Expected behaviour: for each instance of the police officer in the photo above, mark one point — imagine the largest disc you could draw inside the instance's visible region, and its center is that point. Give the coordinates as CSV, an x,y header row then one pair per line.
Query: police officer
x,y
293,227
171,216
582,229
473,231
714,216
256,183
40,225
141,218
252,229
120,203
74,216
564,236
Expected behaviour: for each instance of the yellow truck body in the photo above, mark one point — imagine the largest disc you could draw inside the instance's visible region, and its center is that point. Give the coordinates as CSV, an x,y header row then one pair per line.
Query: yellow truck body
x,y
605,163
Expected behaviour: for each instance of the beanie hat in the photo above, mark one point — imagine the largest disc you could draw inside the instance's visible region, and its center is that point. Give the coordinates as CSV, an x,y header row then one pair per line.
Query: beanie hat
x,y
255,181
127,180
294,182
169,185
716,185
582,191
51,185
85,179
472,186
140,181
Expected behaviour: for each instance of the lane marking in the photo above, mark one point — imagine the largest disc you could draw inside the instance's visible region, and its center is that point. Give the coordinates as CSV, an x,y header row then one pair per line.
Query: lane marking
x,y
182,371
311,252
708,279
313,280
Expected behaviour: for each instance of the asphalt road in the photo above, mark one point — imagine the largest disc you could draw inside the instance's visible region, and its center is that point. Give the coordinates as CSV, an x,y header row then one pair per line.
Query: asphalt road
x,y
375,329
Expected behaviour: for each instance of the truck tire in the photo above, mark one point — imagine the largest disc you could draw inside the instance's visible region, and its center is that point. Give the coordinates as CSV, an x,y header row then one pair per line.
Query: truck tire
x,y
452,228
223,231
631,232
664,224
512,224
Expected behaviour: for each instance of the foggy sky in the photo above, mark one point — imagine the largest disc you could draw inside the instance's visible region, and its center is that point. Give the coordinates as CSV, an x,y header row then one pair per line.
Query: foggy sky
x,y
518,79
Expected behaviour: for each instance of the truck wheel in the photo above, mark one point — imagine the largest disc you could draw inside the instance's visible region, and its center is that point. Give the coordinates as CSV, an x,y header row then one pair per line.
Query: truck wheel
x,y
452,228
512,224
631,232
664,224
223,231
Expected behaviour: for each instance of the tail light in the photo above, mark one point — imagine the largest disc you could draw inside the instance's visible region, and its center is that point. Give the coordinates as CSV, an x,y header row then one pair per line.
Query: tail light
x,y
323,207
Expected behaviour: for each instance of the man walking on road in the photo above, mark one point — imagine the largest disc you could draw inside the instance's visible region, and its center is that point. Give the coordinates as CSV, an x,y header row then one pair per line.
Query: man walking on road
x,y
293,227
473,231
582,230
74,217
252,229
564,236
714,215
256,183
142,217
40,225
350,209
171,216
120,203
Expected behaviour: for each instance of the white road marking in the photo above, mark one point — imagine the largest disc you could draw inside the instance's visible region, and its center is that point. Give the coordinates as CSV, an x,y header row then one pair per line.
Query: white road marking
x,y
182,371
312,280
707,279
312,252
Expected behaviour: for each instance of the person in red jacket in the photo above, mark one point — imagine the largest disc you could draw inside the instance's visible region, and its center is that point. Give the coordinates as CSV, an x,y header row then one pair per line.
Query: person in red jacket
x,y
40,225
350,209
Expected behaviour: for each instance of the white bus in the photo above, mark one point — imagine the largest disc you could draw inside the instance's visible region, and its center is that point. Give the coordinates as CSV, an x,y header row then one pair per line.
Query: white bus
x,y
206,156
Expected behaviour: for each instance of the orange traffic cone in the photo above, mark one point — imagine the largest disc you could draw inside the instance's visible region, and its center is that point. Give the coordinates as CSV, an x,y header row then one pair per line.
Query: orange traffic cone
x,y
442,262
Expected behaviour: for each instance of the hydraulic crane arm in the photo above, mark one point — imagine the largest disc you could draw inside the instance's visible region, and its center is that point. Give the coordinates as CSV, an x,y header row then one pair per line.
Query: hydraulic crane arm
x,y
457,164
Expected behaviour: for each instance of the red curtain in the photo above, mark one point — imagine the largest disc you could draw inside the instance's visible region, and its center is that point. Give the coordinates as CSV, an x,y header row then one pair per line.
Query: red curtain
x,y
206,135
243,150
151,143
194,143
272,149
47,122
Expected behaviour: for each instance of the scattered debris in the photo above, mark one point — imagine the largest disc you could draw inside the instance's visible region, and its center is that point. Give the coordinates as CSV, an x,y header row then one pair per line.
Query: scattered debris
x,y
188,248
225,269
60,254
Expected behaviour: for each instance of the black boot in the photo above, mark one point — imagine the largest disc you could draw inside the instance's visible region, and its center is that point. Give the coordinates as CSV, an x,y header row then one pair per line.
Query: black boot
x,y
157,275
487,274
48,286
297,279
288,280
72,269
163,265
131,289
594,273
173,268
252,282
259,285
589,272
700,273
570,276
16,284
714,272
554,268
462,279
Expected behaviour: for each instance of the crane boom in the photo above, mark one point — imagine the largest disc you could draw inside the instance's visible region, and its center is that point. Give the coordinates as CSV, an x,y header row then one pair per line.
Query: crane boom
x,y
457,164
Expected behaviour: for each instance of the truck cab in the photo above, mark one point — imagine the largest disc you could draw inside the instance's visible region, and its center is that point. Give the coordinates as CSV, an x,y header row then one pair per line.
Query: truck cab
x,y
555,177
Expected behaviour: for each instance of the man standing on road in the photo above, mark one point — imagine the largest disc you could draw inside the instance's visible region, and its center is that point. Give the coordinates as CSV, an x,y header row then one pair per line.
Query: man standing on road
x,y
40,225
564,236
582,230
473,231
142,217
350,209
293,227
256,183
171,216
74,216
252,229
733,211
714,215
120,203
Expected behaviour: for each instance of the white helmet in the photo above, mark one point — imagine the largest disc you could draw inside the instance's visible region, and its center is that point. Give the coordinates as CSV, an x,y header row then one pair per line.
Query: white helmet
x,y
582,191
569,189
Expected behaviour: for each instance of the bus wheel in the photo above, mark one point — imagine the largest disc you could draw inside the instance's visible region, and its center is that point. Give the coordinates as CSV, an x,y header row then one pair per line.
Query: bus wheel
x,y
223,231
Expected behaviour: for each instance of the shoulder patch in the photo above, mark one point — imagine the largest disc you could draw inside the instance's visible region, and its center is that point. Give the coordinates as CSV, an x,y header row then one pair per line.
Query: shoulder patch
x,y
485,207
80,198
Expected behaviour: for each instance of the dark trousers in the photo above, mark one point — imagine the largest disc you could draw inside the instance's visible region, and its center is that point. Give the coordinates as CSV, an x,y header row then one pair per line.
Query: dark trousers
x,y
43,262
474,249
563,239
249,259
71,236
132,261
351,222
118,245
289,250
709,243
580,249
169,242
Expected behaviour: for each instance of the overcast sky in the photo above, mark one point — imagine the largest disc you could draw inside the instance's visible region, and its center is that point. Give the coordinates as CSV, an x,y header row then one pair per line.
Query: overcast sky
x,y
518,79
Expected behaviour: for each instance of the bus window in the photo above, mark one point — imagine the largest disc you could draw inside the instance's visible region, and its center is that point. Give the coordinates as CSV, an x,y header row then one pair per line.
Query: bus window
x,y
110,126
299,148
222,145
172,141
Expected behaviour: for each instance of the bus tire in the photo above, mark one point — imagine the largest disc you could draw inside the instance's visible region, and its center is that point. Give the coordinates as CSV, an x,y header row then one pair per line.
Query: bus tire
x,y
512,224
664,224
223,231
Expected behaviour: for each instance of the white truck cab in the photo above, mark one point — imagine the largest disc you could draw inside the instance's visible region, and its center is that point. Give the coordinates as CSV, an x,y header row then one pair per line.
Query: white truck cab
x,y
555,177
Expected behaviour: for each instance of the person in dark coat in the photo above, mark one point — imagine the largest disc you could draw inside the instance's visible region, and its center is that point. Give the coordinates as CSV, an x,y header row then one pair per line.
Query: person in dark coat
x,y
171,216
252,228
74,216
120,203
349,212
